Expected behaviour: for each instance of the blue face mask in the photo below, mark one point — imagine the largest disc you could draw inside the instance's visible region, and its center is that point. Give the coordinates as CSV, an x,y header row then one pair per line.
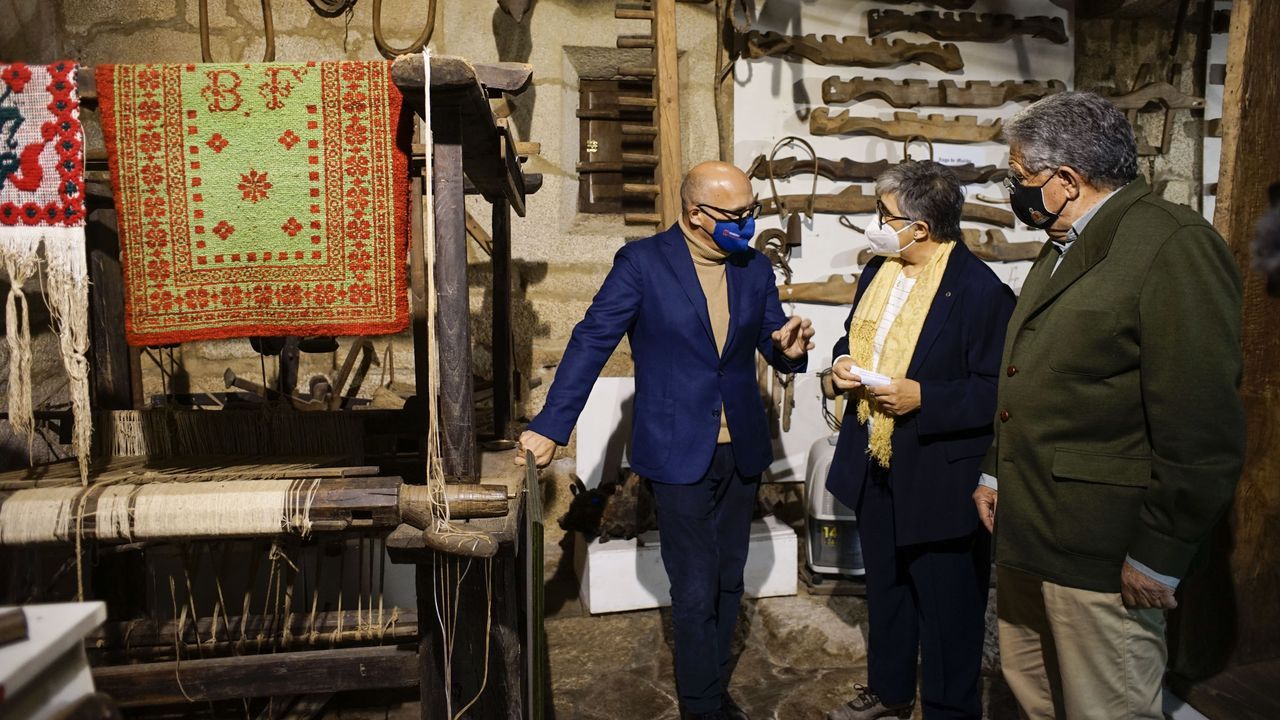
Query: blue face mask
x,y
732,236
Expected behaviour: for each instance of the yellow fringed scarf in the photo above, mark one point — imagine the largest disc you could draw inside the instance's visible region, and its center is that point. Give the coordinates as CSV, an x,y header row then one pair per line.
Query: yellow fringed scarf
x,y
899,344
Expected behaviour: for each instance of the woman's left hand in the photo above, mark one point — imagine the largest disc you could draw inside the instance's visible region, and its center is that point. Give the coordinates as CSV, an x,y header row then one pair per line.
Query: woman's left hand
x,y
898,397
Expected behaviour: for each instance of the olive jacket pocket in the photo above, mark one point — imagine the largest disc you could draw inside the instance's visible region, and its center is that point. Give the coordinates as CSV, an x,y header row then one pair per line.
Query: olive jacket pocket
x,y
1099,498
1086,339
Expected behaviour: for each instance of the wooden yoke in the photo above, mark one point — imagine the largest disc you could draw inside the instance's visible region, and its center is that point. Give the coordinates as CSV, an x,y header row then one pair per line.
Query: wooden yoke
x,y
906,125
852,201
849,50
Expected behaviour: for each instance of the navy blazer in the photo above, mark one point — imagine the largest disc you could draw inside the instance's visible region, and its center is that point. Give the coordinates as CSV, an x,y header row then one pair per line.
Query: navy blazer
x,y
938,448
652,294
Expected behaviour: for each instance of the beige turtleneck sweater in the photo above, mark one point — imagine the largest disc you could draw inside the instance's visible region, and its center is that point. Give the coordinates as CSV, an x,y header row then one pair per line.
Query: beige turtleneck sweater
x,y
709,264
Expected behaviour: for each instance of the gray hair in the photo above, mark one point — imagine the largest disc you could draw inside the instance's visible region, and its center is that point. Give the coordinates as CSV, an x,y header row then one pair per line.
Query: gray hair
x,y
1080,129
927,191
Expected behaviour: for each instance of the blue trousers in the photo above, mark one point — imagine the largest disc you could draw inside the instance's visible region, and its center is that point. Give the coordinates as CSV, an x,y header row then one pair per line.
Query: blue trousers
x,y
704,530
925,601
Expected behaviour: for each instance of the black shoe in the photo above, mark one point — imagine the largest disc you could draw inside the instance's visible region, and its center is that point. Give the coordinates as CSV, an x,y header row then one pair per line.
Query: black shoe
x,y
868,706
731,709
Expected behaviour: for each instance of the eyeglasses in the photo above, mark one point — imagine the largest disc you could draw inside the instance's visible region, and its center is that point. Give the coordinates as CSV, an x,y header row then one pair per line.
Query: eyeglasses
x,y
1012,181
740,217
883,214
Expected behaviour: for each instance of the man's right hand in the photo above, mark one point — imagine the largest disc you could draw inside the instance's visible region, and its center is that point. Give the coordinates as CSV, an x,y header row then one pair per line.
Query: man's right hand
x,y
842,376
986,499
542,447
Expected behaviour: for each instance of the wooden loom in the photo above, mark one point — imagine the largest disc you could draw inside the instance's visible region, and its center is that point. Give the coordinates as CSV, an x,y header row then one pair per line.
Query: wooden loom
x,y
193,465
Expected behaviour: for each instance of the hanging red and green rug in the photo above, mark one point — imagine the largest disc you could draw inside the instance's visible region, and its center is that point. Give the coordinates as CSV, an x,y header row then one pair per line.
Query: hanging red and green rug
x,y
258,199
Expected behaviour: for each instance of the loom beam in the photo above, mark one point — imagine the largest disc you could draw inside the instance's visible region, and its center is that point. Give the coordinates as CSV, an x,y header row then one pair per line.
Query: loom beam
x,y
339,504
150,640
273,674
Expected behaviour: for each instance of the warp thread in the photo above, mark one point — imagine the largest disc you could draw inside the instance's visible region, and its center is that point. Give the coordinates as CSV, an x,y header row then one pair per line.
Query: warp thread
x,y
128,512
38,515
171,433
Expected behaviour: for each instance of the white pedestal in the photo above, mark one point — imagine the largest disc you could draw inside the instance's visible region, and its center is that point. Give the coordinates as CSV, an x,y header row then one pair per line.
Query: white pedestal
x,y
46,673
621,575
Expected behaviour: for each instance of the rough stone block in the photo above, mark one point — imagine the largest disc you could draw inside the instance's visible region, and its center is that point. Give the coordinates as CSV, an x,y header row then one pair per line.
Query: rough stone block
x,y
800,633
81,18
153,45
289,17
220,17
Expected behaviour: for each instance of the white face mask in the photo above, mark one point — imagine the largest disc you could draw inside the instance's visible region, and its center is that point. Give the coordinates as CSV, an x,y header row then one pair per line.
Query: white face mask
x,y
884,240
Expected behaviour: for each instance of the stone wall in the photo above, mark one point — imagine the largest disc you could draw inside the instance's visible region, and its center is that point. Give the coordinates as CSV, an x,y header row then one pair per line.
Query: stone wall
x,y
561,256
1109,53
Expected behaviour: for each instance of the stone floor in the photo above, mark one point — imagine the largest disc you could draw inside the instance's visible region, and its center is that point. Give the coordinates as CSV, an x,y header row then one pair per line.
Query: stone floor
x,y
797,657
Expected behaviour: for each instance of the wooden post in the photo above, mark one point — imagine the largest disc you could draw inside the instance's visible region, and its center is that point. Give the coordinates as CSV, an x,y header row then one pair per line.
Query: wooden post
x,y
1231,605
724,85
453,308
501,242
670,168
111,367
1250,162
418,319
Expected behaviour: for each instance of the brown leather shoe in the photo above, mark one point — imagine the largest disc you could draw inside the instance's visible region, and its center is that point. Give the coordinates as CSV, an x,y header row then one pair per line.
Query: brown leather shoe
x,y
868,706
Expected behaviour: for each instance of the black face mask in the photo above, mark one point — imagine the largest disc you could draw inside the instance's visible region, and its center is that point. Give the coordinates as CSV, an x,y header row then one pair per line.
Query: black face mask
x,y
1028,203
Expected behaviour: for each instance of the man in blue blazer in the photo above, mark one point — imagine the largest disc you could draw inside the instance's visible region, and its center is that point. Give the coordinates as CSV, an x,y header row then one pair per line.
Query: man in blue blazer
x,y
697,304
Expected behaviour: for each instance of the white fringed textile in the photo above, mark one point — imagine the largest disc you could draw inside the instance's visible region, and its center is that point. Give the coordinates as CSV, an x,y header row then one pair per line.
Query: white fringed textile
x,y
18,255
42,206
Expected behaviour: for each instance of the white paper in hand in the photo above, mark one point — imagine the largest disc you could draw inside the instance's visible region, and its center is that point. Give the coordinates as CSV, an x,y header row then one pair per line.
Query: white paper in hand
x,y
869,378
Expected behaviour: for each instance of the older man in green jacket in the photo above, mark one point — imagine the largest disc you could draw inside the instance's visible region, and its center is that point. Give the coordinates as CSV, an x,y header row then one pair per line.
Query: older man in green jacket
x,y
1119,430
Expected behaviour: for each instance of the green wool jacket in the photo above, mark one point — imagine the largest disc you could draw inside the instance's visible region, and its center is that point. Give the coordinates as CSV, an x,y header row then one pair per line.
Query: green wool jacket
x,y
1119,428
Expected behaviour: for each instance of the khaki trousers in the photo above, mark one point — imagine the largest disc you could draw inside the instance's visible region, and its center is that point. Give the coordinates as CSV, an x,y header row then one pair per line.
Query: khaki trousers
x,y
1076,654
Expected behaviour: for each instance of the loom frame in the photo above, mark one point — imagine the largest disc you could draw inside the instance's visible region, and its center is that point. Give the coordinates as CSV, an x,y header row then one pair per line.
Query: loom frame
x,y
474,152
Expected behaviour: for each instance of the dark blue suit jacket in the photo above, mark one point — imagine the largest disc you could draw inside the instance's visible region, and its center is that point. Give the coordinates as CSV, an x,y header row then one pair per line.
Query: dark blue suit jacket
x,y
652,295
938,448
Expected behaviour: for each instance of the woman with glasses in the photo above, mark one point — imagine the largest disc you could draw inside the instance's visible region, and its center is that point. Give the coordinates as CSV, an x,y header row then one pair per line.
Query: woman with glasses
x,y
919,362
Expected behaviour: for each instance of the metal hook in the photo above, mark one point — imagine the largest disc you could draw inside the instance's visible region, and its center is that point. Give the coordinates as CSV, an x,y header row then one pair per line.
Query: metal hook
x,y
906,146
813,190
387,49
268,32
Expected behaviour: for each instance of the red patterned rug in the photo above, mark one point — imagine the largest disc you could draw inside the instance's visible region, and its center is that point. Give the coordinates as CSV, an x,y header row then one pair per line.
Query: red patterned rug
x,y
258,199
